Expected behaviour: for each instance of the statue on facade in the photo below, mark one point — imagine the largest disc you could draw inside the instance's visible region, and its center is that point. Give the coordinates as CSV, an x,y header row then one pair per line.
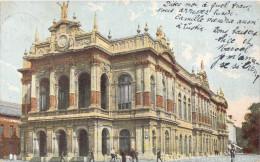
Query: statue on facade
x,y
64,8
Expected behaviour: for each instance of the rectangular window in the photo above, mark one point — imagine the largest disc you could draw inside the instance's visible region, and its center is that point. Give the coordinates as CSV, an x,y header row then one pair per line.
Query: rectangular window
x,y
10,130
1,130
10,149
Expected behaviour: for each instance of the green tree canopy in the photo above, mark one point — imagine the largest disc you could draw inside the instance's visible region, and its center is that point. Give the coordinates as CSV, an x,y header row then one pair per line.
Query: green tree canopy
x,y
251,128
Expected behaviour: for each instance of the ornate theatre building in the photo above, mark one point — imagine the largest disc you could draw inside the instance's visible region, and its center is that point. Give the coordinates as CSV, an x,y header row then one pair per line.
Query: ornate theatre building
x,y
83,91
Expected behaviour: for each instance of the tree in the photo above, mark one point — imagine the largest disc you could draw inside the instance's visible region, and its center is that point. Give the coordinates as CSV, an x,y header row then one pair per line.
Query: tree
x,y
251,129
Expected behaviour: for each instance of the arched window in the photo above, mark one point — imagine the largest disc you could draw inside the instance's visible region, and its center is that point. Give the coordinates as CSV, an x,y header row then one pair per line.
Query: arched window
x,y
152,90
2,130
184,108
84,90
179,105
44,94
180,145
11,130
167,142
124,92
63,102
104,91
189,110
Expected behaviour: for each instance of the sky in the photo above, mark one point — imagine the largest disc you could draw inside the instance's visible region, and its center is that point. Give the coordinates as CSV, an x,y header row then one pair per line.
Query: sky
x,y
19,20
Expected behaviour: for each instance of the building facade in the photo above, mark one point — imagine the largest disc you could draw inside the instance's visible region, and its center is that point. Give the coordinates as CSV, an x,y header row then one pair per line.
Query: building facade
x,y
231,130
9,132
82,91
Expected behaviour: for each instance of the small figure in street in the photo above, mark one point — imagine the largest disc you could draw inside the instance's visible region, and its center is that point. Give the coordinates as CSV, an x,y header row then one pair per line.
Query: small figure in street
x,y
132,154
113,154
62,154
232,151
91,155
159,155
123,156
136,155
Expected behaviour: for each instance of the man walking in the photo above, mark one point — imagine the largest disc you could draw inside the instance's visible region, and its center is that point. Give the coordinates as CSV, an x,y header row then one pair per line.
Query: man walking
x,y
159,155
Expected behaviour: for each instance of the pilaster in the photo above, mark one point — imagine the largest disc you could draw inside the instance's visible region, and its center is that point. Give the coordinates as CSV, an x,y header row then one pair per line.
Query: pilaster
x,y
52,89
33,93
72,88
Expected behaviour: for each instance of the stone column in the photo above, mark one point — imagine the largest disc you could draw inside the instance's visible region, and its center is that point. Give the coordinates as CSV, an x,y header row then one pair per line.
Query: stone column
x,y
52,89
22,144
36,141
139,138
95,82
169,94
147,146
159,90
49,142
173,143
29,143
33,93
147,86
138,95
177,138
69,136
72,87
55,146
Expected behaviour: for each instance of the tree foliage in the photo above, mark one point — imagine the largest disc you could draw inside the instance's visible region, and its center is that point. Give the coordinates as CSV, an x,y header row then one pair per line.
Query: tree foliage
x,y
251,129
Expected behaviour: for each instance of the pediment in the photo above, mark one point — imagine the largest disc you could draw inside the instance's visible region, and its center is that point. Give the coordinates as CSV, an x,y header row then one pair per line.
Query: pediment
x,y
169,57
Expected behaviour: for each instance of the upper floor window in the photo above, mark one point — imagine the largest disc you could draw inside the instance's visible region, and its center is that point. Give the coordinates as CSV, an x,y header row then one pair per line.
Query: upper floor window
x,y
152,90
10,130
124,92
104,91
44,94
185,108
179,105
1,130
63,102
84,90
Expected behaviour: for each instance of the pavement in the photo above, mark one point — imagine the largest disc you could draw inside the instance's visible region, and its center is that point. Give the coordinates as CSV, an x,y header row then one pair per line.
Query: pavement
x,y
238,158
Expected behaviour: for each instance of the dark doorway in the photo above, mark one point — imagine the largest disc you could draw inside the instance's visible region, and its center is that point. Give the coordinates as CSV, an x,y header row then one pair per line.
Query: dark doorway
x,y
105,142
124,141
42,143
62,142
83,143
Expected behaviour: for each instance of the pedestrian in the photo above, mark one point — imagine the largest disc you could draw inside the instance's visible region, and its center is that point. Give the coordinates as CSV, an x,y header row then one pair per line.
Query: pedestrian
x,y
159,155
123,156
62,154
113,154
132,154
232,151
136,155
91,155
